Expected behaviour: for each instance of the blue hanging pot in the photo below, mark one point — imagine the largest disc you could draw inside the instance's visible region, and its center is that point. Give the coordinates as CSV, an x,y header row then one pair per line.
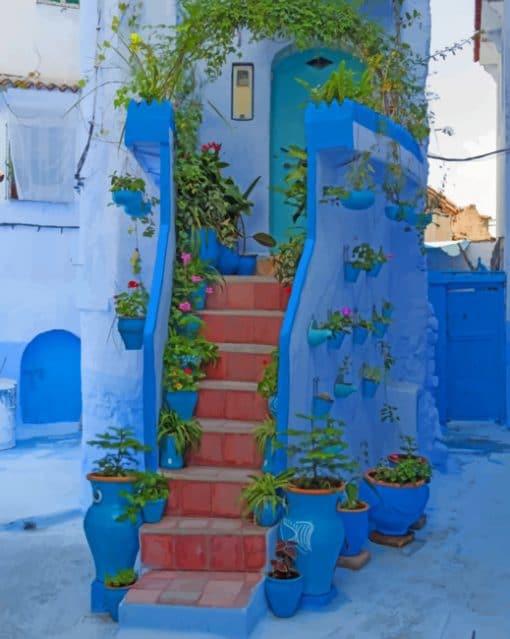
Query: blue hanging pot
x,y
153,511
247,265
182,402
131,331
379,329
168,455
284,595
351,273
268,461
336,340
314,523
228,260
317,336
266,516
423,219
113,598
369,388
387,313
321,405
209,247
191,327
341,391
272,403
359,335
356,530
133,202
395,507
359,200
397,212
198,296
374,272
113,544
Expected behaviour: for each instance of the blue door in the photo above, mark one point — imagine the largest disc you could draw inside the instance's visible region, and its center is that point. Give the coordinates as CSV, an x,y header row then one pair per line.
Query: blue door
x,y
50,383
288,101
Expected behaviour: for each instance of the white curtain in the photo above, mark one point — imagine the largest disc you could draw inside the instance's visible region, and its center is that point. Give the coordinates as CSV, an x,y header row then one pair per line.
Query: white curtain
x,y
43,155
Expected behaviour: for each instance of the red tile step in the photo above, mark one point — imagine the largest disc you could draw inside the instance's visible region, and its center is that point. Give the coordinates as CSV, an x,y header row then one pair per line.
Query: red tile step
x,y
227,443
241,362
208,543
242,326
226,399
254,292
205,491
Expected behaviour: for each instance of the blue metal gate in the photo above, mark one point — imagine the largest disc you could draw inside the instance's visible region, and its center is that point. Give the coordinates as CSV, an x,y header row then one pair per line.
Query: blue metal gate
x,y
470,352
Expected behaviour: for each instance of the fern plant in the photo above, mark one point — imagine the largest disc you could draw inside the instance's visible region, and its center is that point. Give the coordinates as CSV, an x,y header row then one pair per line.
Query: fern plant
x,y
266,490
122,459
265,433
187,434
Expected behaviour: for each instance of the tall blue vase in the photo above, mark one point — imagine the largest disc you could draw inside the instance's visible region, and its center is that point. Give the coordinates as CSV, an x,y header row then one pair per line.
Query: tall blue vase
x,y
114,544
228,260
209,250
168,455
356,531
312,520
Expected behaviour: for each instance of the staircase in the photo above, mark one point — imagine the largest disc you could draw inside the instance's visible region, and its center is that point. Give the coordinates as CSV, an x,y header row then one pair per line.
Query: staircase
x,y
207,563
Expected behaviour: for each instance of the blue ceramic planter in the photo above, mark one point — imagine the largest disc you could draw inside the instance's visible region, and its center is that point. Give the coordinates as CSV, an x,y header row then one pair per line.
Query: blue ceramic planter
x,y
191,327
168,455
359,335
209,247
197,297
336,340
369,388
356,531
182,402
284,595
321,406
247,265
133,202
272,403
351,273
268,461
358,200
374,272
114,544
266,516
397,213
153,511
344,390
113,598
317,336
394,508
313,521
228,260
131,332
379,329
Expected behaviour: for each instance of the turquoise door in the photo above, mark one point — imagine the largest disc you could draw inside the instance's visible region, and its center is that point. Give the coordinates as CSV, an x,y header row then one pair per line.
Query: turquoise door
x,y
288,102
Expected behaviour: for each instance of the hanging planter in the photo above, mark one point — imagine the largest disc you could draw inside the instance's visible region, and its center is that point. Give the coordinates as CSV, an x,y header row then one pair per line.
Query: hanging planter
x,y
369,388
189,325
375,270
359,334
168,456
316,335
379,328
178,432
398,212
358,200
131,308
131,331
267,516
336,340
351,272
321,405
228,259
387,310
341,391
183,402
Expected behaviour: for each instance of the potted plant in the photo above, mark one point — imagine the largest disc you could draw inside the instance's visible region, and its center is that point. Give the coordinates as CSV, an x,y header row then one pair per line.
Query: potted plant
x,y
371,378
379,324
322,403
193,278
352,266
360,183
340,324
284,584
286,258
265,437
268,385
264,497
316,453
184,351
402,494
184,320
360,329
343,388
182,388
149,498
387,309
317,335
354,513
113,541
116,589
175,437
131,310
129,191
408,450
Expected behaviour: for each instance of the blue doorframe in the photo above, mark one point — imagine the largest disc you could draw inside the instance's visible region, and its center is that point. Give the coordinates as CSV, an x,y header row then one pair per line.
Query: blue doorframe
x,y
470,351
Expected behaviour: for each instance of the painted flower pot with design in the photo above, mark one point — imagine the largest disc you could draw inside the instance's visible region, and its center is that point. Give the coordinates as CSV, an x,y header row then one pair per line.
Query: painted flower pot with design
x,y
359,200
131,331
153,511
359,335
351,273
113,544
168,455
379,329
198,297
182,402
247,265
266,516
228,260
284,595
356,530
395,507
112,599
313,521
369,388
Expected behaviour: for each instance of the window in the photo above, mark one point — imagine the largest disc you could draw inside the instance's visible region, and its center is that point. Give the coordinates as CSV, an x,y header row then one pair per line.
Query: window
x,y
242,91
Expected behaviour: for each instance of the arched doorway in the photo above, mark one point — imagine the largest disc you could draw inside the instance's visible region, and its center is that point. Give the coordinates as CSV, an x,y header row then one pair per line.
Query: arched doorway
x,y
288,101
50,382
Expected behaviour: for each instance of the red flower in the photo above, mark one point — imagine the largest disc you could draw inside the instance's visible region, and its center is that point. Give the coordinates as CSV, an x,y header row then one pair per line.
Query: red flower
x,y
265,362
211,145
133,284
188,371
288,290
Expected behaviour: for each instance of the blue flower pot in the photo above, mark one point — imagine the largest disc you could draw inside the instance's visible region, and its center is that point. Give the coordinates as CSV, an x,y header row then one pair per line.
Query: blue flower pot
x,y
131,331
268,461
247,265
394,508
191,327
356,531
112,599
369,388
182,402
284,595
351,273
358,200
387,313
198,296
379,329
359,335
132,201
153,511
336,340
317,336
168,455
423,219
341,391
321,406
313,521
228,260
209,247
272,403
397,213
266,516
113,544
374,272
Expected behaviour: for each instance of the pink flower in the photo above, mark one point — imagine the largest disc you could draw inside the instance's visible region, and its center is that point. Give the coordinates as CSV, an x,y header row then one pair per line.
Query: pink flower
x,y
390,256
211,145
186,258
209,290
346,312
196,278
185,306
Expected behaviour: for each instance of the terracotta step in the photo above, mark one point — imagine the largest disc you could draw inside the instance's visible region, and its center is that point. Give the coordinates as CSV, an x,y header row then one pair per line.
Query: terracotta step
x,y
206,491
227,443
226,399
243,362
254,292
242,326
193,543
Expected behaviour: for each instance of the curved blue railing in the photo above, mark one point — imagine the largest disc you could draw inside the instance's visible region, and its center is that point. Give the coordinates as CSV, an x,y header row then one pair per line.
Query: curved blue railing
x,y
149,135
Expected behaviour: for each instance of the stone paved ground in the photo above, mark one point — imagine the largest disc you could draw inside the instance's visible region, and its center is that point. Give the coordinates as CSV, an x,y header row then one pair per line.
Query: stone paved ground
x,y
451,583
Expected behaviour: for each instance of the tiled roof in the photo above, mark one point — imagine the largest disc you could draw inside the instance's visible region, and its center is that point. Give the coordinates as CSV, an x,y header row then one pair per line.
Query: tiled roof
x,y
33,82
440,202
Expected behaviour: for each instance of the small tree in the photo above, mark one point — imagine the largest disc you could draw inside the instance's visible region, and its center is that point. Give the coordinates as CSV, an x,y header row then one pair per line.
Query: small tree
x,y
122,460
